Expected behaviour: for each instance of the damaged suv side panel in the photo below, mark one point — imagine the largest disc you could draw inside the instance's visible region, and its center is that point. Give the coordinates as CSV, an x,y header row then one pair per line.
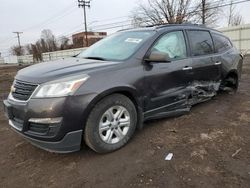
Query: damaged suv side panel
x,y
174,86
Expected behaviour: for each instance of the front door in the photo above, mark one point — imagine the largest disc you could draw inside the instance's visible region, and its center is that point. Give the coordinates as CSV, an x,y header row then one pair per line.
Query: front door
x,y
165,82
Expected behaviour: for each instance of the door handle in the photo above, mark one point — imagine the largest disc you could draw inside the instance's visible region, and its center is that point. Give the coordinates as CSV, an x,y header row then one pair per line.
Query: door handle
x,y
187,68
217,63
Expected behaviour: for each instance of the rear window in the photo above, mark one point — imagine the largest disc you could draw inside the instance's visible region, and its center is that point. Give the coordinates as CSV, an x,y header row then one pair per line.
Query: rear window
x,y
201,42
221,43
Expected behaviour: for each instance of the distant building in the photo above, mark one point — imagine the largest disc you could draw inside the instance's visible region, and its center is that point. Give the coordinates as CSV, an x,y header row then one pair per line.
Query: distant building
x,y
79,39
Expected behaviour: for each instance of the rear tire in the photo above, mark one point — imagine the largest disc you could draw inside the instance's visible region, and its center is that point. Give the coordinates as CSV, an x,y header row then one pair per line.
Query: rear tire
x,y
111,123
230,84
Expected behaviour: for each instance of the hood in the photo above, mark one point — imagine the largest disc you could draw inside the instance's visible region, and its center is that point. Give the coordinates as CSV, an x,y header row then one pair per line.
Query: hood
x,y
44,72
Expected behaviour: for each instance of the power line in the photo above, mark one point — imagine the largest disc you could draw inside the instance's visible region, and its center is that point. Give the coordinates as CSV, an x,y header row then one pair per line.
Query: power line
x,y
110,24
128,22
95,27
115,18
120,22
190,12
64,12
212,3
57,16
70,11
6,40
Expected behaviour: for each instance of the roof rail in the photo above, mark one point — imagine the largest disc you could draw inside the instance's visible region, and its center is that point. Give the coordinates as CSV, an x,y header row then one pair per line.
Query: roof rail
x,y
163,25
181,24
157,25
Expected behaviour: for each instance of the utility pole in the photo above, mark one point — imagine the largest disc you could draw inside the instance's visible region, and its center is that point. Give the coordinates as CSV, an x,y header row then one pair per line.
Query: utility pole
x,y
18,37
83,4
203,12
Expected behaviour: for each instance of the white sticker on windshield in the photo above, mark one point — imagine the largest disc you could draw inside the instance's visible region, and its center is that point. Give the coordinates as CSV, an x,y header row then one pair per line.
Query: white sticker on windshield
x,y
134,40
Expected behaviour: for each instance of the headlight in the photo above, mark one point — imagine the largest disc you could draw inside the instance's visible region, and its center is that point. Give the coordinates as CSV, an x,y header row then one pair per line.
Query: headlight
x,y
60,88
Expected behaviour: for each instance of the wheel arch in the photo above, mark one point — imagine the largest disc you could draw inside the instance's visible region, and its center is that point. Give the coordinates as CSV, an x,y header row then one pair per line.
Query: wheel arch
x,y
235,76
129,92
232,73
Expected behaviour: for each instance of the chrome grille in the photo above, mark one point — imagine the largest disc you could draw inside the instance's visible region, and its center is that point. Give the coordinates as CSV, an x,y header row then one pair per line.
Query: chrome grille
x,y
22,90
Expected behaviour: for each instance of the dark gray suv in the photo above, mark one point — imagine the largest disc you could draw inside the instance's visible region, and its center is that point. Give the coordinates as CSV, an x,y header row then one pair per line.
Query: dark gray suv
x,y
101,96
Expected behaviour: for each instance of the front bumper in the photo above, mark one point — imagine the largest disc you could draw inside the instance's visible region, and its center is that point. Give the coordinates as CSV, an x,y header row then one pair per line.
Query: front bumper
x,y
71,141
52,124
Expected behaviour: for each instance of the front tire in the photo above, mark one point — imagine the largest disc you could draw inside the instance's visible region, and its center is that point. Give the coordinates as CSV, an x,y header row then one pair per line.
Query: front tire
x,y
111,123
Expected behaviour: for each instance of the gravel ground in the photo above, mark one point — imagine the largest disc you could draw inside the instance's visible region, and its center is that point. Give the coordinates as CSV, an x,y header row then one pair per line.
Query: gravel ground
x,y
210,147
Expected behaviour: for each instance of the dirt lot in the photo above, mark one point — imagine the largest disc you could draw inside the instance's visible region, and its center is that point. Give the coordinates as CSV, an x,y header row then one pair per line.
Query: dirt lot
x,y
202,142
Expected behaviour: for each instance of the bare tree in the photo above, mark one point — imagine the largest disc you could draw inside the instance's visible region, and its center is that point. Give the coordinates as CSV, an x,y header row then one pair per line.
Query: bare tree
x,y
237,19
37,54
17,50
64,43
28,49
44,46
35,50
176,11
234,18
208,11
231,12
162,11
49,41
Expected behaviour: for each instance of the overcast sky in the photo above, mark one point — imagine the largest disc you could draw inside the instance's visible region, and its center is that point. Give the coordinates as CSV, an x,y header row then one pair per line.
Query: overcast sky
x,y
63,17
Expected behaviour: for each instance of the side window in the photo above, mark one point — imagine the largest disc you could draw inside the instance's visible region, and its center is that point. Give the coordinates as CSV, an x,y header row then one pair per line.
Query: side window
x,y
173,44
221,43
201,42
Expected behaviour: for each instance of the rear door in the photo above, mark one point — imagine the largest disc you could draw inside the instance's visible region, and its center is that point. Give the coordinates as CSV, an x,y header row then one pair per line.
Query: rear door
x,y
204,64
225,54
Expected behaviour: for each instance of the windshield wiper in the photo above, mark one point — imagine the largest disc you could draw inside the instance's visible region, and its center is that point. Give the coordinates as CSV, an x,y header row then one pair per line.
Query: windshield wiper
x,y
95,58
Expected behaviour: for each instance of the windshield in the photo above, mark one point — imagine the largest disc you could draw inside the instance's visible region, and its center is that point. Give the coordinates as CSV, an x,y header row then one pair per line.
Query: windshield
x,y
118,46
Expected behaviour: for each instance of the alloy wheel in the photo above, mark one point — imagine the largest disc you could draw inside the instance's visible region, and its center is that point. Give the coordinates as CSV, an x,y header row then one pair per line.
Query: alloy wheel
x,y
114,124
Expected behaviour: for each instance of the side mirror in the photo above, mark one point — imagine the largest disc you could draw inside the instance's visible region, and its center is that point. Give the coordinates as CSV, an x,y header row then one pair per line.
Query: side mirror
x,y
158,57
